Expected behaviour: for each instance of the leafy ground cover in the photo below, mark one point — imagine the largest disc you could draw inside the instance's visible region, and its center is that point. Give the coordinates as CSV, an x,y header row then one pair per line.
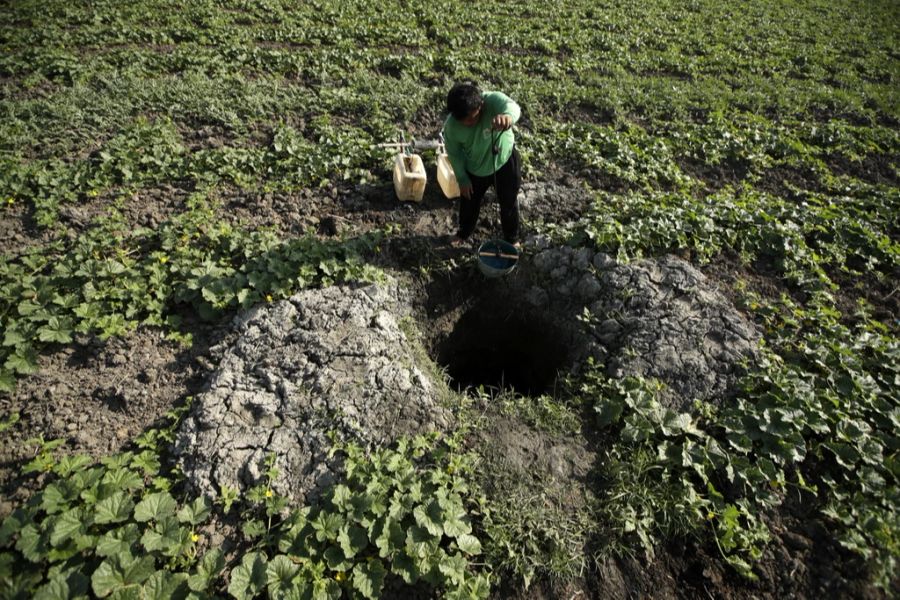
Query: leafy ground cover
x,y
759,140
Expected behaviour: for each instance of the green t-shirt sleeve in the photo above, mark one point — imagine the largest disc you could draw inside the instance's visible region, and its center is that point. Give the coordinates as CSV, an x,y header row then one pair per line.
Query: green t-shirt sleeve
x,y
501,104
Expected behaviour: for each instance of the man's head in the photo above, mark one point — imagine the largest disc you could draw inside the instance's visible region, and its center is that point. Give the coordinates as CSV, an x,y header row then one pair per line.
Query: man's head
x,y
464,103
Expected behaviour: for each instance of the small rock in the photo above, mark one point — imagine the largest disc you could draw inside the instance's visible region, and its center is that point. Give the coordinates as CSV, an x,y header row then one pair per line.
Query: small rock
x,y
118,359
582,259
559,272
588,287
603,261
795,541
609,326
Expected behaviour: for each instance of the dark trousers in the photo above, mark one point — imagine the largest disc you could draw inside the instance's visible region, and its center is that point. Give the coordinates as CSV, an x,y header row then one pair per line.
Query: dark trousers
x,y
509,180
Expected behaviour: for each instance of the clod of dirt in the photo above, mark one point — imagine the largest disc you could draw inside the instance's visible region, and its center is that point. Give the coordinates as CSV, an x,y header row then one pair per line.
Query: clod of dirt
x,y
331,360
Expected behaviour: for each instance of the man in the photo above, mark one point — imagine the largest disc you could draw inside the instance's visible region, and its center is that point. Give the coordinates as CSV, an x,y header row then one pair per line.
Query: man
x,y
479,141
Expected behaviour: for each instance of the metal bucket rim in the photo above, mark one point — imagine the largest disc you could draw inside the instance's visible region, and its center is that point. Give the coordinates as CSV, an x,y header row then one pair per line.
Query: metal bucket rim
x,y
501,246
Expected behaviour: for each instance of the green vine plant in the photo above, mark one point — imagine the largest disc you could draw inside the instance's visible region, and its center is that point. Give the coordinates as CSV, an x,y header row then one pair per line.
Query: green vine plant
x,y
823,425
401,516
112,278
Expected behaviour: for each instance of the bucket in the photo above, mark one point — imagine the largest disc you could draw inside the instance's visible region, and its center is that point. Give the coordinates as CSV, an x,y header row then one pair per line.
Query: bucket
x,y
409,177
445,175
497,258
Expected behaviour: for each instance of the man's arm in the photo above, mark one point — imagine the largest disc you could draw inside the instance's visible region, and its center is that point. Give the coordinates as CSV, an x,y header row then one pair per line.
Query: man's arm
x,y
501,104
458,161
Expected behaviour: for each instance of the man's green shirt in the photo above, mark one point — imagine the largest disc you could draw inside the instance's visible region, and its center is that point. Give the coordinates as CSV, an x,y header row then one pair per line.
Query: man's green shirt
x,y
469,148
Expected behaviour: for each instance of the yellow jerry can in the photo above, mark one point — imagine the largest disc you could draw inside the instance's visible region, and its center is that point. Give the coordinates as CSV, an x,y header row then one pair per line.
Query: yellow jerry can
x,y
445,175
409,177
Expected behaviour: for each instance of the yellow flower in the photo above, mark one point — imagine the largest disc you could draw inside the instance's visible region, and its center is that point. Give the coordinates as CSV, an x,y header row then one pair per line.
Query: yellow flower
x,y
163,259
268,493
268,297
10,200
340,576
195,538
710,516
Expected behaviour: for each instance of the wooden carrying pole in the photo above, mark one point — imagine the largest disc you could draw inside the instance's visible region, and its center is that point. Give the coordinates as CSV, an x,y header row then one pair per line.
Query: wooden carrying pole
x,y
498,254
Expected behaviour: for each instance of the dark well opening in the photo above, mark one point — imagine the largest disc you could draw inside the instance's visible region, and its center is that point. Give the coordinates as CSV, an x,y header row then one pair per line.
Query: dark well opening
x,y
503,347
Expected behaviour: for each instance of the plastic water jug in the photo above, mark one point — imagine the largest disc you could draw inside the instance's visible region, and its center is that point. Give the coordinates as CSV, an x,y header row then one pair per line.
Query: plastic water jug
x,y
445,175
409,177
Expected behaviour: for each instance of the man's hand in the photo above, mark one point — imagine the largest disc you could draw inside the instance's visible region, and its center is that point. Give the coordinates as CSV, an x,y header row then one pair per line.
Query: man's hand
x,y
501,123
465,191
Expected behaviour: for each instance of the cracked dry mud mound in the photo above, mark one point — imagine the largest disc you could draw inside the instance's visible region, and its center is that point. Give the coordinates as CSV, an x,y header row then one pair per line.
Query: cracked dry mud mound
x,y
657,318
324,360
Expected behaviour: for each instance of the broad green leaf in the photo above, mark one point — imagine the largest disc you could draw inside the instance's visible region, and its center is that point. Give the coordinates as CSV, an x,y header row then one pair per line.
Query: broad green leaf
x,y
166,536
208,569
196,512
609,411
430,517
405,567
341,497
163,585
123,478
118,540
23,362
147,461
476,588
120,571
327,526
13,337
55,589
335,559
68,465
32,543
87,479
352,539
740,442
68,524
56,330
114,509
27,308
456,520
249,578
453,568
155,506
845,455
674,424
368,578
390,537
325,589
12,524
253,528
56,497
469,544
97,493
280,574
419,542
7,380
132,591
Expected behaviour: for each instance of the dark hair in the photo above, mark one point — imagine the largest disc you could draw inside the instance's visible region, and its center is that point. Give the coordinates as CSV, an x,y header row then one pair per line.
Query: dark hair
x,y
462,99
